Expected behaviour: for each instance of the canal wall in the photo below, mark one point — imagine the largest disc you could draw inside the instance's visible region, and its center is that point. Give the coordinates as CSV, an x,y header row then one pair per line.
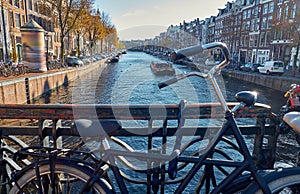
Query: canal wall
x,y
22,90
280,83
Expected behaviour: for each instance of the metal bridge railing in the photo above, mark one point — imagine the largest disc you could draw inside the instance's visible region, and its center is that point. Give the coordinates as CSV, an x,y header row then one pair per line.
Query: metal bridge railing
x,y
29,120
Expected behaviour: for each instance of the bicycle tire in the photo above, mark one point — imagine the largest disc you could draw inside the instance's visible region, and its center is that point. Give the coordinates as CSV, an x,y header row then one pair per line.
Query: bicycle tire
x,y
71,173
17,71
281,181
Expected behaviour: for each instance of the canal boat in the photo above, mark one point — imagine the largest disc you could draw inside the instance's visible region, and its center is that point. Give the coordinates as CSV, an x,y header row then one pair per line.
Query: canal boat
x,y
162,68
113,59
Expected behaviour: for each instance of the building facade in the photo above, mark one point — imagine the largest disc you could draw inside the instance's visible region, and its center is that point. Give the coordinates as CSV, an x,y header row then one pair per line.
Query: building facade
x,y
254,30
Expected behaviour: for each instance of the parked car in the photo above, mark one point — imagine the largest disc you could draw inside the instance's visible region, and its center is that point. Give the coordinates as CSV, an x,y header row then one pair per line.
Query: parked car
x,y
254,67
246,67
272,67
251,67
73,61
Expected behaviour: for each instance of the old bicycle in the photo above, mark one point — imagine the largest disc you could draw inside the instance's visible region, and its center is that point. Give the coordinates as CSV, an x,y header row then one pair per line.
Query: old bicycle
x,y
56,171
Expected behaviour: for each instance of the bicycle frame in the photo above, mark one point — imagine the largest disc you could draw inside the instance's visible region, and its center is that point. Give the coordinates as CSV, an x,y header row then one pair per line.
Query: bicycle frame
x,y
247,164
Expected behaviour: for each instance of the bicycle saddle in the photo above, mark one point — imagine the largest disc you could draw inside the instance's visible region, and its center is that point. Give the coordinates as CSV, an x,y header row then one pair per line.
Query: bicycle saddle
x,y
247,97
94,128
293,120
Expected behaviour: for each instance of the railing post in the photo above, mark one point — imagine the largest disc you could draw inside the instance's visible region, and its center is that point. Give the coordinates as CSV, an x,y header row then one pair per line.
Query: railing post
x,y
258,143
272,141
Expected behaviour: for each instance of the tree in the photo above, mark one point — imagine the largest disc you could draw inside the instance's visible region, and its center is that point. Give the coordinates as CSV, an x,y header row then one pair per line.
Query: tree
x,y
94,29
108,28
68,13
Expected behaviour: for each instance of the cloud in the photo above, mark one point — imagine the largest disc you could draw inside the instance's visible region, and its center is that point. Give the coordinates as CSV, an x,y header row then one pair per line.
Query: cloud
x,y
137,12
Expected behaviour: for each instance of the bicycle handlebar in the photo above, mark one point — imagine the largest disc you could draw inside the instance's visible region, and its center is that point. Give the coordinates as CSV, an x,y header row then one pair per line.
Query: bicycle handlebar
x,y
193,50
168,82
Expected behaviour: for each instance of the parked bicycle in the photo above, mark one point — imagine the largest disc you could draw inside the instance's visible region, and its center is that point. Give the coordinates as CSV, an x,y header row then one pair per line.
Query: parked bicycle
x,y
18,68
59,171
5,69
55,64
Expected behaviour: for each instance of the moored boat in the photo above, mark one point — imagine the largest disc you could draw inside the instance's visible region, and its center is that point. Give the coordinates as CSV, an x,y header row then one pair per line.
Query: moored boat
x,y
162,68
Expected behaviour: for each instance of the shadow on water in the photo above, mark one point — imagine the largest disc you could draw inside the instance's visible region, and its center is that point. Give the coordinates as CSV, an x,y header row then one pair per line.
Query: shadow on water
x,y
47,93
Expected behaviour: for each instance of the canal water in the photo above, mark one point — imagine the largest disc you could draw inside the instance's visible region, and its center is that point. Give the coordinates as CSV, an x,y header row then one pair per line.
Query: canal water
x,y
131,81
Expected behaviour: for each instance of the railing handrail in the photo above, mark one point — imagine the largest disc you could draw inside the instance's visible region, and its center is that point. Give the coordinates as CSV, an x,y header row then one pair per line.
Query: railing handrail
x,y
124,112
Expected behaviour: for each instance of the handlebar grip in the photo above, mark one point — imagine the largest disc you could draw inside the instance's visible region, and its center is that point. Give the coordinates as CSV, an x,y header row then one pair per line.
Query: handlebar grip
x,y
193,50
167,83
185,52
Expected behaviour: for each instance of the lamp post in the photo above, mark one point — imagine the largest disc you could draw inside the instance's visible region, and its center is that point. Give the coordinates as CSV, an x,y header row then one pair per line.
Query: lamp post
x,y
297,52
47,46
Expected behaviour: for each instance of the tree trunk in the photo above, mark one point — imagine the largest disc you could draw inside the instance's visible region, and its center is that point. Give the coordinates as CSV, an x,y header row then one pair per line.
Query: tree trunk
x,y
62,48
78,45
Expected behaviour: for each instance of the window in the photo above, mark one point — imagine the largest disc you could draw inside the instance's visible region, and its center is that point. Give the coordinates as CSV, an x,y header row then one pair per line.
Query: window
x,y
255,40
264,23
271,7
253,22
262,39
17,3
246,41
251,41
279,13
244,26
257,25
268,38
265,8
248,13
286,12
256,11
242,41
293,15
270,18
11,19
17,20
248,25
30,5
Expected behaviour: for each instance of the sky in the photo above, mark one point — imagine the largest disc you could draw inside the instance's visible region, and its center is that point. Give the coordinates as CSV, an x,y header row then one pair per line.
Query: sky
x,y
140,19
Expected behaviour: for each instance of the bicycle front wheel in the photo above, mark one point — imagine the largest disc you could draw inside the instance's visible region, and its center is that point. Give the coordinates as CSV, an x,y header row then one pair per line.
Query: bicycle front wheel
x,y
69,178
282,181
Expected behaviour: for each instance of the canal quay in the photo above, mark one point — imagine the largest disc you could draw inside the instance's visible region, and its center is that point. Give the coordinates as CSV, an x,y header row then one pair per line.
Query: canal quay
x,y
104,91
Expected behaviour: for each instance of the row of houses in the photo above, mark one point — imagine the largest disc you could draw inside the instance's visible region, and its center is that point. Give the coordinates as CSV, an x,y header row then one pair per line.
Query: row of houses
x,y
16,13
254,30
